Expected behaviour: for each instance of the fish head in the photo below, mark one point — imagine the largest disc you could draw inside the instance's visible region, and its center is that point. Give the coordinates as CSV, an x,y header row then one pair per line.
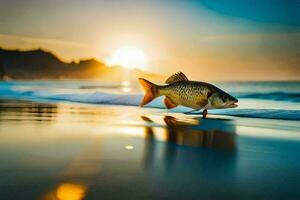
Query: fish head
x,y
221,99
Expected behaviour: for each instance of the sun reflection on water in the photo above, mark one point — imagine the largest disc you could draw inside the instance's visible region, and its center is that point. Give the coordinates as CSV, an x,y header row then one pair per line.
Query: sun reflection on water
x,y
66,191
69,191
126,86
129,147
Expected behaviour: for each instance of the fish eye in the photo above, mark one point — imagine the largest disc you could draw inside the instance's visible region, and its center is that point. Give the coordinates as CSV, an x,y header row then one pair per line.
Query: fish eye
x,y
224,98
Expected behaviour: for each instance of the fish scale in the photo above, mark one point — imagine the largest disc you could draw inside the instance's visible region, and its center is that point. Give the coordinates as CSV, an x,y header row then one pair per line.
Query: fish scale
x,y
184,92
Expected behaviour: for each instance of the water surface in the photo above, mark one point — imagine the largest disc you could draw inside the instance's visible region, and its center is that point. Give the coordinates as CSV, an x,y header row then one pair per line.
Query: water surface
x,y
62,150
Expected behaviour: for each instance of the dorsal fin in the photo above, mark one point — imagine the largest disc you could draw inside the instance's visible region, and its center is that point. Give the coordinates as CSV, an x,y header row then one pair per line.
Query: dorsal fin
x,y
179,76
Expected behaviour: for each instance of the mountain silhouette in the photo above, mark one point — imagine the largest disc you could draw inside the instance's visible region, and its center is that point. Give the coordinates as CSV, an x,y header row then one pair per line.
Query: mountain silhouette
x,y
42,65
39,64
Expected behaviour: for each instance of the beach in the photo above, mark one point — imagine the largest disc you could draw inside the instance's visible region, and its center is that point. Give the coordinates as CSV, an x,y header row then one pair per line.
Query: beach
x,y
69,150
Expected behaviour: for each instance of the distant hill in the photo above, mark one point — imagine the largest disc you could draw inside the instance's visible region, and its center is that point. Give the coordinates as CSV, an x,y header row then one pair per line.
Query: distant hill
x,y
40,64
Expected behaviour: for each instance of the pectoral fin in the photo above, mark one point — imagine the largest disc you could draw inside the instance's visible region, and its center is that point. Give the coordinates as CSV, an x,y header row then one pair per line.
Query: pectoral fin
x,y
169,103
204,113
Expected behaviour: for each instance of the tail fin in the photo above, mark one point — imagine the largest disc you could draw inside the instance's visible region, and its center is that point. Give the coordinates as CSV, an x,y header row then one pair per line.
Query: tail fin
x,y
150,89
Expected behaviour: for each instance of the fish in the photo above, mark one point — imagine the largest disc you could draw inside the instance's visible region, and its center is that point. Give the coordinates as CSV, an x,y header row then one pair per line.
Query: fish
x,y
179,90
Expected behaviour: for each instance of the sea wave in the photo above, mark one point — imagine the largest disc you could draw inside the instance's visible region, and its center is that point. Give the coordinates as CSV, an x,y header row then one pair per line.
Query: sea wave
x,y
261,113
134,100
277,96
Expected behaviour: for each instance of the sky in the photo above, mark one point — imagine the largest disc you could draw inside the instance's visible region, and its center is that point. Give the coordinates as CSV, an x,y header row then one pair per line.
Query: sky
x,y
206,39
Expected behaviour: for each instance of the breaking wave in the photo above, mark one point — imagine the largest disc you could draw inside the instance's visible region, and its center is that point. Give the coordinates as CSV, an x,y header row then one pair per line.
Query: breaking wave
x,y
276,96
134,100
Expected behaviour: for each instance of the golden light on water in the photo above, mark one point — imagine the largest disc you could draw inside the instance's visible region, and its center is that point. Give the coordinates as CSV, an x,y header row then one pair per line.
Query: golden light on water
x,y
68,191
126,86
129,57
129,147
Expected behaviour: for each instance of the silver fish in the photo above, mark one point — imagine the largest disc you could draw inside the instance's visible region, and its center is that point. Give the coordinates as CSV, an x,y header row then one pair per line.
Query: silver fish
x,y
193,94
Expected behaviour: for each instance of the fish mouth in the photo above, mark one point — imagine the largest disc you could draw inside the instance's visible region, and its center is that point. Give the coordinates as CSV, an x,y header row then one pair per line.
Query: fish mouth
x,y
233,105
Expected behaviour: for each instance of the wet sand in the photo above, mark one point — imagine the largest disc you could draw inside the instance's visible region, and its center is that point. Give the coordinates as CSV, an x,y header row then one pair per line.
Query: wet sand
x,y
62,151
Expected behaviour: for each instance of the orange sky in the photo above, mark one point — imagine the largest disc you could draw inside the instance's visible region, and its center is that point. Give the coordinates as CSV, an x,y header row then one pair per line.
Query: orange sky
x,y
206,41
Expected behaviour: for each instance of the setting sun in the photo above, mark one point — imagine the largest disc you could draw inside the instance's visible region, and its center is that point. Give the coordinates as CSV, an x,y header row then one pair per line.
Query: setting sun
x,y
128,57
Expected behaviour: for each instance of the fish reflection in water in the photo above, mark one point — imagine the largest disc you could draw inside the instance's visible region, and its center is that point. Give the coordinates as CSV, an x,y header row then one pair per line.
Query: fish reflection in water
x,y
204,134
184,133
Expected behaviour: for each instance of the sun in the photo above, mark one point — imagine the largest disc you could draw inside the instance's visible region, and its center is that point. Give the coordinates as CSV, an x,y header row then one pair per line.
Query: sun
x,y
128,57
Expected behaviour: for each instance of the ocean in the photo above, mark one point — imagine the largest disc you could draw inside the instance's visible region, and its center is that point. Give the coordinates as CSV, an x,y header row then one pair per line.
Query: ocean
x,y
270,100
90,139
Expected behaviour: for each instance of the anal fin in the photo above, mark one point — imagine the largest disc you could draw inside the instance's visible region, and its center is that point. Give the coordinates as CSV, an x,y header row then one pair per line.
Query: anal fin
x,y
169,103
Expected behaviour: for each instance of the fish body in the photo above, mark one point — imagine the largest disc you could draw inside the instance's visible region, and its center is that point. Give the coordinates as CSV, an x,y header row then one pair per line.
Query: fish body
x,y
186,93
193,94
